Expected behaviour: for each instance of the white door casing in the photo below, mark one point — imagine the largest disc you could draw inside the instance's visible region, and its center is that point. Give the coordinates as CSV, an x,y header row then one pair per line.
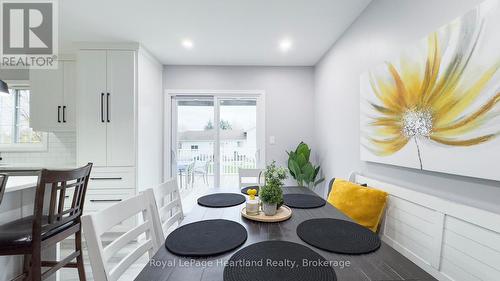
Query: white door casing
x,y
170,122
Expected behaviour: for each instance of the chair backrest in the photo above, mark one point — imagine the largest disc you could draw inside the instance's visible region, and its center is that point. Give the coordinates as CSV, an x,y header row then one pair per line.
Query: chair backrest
x,y
200,164
169,205
3,183
62,185
96,224
249,177
352,178
190,166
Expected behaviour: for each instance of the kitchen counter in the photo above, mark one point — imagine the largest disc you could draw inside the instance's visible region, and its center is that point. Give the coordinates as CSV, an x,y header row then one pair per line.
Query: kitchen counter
x,y
29,170
16,183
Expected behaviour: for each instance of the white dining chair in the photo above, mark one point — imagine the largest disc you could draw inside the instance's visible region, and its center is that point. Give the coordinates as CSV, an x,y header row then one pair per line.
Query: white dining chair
x,y
169,206
249,177
144,234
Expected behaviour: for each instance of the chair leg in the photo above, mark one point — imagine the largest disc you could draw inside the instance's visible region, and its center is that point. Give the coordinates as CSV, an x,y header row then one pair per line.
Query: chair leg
x,y
35,272
79,259
26,267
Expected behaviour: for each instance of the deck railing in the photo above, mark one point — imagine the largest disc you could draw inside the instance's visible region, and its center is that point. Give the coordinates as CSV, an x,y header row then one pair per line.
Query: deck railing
x,y
231,159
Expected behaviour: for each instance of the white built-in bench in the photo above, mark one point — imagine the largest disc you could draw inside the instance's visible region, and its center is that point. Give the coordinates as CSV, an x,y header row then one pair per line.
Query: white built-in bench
x,y
451,241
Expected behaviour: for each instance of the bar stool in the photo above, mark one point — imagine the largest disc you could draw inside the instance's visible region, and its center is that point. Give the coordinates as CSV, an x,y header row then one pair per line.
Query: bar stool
x,y
49,224
3,183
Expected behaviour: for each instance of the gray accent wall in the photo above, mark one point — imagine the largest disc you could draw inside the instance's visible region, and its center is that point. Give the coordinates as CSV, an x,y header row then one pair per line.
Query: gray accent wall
x,y
288,93
381,31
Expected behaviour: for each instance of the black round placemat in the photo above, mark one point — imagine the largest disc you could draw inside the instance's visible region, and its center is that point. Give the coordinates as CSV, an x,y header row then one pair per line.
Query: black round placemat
x,y
221,200
206,238
255,263
303,201
245,189
338,236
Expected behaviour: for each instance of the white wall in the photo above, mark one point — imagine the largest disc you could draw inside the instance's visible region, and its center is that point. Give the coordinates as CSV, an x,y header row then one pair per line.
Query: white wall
x,y
382,30
288,90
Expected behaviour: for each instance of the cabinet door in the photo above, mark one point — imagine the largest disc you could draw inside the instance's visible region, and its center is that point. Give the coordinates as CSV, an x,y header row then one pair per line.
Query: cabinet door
x,y
46,86
91,123
69,95
120,114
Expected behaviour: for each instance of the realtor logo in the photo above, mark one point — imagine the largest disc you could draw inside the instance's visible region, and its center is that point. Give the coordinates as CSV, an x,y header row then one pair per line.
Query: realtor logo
x,y
29,34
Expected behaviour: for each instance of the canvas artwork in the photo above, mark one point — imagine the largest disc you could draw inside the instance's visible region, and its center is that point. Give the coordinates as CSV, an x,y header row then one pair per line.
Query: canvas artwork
x,y
436,105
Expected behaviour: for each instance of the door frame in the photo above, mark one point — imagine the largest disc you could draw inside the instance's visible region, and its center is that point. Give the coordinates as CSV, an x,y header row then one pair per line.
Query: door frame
x,y
169,120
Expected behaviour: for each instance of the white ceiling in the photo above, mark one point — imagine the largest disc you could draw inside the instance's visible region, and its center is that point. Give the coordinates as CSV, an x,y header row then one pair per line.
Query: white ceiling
x,y
224,32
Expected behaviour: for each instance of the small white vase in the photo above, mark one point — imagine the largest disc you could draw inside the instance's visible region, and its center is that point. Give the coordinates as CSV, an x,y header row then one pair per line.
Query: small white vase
x,y
269,209
252,207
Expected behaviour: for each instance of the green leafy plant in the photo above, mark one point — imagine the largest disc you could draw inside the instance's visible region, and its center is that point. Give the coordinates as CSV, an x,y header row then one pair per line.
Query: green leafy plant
x,y
271,192
301,169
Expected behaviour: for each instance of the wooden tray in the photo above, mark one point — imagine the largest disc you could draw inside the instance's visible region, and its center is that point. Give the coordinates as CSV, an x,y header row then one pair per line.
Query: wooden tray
x,y
282,214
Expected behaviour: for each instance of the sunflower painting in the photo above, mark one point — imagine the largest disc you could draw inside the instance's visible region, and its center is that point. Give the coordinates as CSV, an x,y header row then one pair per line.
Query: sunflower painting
x,y
437,106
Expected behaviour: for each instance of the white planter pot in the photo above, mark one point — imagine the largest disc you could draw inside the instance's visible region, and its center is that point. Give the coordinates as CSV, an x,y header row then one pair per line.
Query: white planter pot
x,y
269,209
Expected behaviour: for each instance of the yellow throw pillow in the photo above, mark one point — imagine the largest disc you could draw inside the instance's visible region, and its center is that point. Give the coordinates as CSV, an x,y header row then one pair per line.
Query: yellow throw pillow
x,y
363,205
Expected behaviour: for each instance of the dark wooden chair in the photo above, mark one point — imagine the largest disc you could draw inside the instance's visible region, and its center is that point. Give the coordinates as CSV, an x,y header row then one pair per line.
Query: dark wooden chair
x,y
51,223
3,183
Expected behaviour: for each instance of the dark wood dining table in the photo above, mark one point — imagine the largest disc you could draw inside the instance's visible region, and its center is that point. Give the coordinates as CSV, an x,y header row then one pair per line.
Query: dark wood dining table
x,y
383,264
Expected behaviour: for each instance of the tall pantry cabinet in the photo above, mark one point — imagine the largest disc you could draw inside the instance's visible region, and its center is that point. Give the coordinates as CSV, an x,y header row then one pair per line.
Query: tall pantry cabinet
x,y
106,107
108,119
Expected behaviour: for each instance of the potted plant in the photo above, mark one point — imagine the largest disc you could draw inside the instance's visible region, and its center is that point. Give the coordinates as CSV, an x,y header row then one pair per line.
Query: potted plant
x,y
301,169
271,194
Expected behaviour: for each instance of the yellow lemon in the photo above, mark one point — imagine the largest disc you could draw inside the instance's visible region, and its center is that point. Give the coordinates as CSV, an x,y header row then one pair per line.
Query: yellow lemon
x,y
252,193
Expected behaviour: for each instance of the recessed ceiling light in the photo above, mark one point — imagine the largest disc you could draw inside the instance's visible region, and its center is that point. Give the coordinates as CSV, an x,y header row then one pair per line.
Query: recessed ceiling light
x,y
285,45
187,43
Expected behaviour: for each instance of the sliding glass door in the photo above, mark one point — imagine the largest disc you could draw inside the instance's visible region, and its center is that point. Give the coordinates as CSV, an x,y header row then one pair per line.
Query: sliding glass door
x,y
193,151
237,138
212,136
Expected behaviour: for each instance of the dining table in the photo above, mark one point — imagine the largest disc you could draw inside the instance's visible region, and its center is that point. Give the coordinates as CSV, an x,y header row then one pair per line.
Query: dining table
x,y
383,264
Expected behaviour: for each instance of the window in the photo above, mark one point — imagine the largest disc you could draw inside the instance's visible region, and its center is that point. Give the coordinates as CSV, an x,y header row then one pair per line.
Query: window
x,y
15,132
194,147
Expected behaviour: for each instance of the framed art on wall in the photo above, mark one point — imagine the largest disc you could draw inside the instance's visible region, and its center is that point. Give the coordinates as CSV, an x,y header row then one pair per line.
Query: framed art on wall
x,y
436,106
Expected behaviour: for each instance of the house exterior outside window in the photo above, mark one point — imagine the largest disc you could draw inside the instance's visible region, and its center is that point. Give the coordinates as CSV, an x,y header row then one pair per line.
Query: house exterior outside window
x,y
15,131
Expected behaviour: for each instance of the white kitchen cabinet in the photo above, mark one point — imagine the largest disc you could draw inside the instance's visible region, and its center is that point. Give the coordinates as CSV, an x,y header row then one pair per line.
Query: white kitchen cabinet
x,y
69,97
52,100
106,107
120,108
91,125
119,93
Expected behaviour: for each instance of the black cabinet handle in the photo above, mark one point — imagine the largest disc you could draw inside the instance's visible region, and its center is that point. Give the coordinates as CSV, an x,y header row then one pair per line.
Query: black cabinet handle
x,y
102,107
107,107
103,179
59,114
105,200
64,114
